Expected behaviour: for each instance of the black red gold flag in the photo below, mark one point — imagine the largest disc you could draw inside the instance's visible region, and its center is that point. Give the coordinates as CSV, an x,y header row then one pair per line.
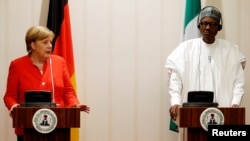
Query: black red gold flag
x,y
59,22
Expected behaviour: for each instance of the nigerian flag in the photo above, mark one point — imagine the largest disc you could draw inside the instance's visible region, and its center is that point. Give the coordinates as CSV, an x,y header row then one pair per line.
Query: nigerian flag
x,y
192,11
190,31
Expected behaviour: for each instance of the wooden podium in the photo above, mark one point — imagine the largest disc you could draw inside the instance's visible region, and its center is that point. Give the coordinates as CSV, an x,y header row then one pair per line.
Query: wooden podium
x,y
66,118
189,117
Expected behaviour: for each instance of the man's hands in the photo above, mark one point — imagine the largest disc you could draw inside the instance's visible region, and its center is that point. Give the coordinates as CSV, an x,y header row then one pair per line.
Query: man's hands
x,y
173,111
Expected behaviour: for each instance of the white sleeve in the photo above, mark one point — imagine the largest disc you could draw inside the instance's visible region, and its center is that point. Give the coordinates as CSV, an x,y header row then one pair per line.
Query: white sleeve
x,y
175,88
238,90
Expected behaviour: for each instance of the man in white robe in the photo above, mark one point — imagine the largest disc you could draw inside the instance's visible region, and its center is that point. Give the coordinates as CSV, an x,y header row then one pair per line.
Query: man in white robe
x,y
206,64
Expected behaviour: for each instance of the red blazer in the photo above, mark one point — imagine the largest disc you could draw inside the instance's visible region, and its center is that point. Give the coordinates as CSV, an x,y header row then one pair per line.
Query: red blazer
x,y
24,75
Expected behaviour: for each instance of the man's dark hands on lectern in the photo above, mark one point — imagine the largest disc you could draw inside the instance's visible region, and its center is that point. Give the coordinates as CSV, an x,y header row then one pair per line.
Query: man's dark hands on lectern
x,y
173,111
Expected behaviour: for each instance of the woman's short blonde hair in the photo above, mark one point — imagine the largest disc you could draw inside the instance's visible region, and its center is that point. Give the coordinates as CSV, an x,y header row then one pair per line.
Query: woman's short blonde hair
x,y
35,33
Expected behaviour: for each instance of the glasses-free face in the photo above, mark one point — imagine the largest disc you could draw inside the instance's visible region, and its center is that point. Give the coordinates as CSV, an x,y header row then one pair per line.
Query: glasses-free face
x,y
42,48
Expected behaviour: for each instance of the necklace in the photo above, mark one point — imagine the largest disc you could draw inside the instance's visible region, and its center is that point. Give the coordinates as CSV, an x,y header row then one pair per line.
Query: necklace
x,y
39,66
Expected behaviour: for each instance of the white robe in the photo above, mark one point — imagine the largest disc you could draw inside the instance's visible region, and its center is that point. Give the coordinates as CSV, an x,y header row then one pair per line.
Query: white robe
x,y
195,65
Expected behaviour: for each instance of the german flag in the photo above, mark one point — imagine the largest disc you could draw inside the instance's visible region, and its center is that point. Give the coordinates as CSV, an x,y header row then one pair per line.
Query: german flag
x,y
59,23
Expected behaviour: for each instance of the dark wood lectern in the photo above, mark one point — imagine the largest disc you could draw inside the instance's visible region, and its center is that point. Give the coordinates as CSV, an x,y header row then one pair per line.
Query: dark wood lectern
x,y
189,117
66,118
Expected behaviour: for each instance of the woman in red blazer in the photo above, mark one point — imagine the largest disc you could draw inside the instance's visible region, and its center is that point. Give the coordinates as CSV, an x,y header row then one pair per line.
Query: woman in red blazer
x,y
39,70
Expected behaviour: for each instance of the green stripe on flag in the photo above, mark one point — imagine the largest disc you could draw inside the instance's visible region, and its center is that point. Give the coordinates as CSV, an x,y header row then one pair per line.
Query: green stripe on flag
x,y
173,126
193,8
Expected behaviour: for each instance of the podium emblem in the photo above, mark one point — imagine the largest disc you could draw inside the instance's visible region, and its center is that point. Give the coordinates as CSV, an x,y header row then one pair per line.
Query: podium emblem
x,y
211,116
44,120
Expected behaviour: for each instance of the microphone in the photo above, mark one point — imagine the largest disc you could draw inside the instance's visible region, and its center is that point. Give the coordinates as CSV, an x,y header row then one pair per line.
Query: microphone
x,y
52,79
212,73
209,59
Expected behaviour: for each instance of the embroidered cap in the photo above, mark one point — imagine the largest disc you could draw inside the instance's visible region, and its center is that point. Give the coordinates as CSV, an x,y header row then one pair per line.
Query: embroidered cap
x,y
210,11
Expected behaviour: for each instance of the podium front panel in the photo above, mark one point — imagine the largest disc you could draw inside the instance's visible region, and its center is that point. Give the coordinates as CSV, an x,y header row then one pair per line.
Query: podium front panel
x,y
189,118
67,118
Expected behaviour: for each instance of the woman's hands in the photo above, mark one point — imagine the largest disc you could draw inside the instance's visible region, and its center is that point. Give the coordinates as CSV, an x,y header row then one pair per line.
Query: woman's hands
x,y
84,108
